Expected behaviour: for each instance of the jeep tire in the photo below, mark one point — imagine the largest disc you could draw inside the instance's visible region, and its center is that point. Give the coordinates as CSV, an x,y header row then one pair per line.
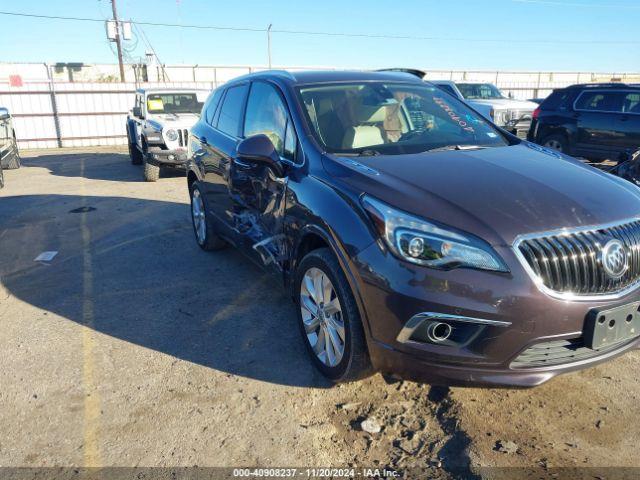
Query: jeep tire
x,y
134,153
151,172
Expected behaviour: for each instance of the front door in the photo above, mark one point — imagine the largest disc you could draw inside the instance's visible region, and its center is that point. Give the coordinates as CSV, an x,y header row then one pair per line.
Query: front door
x,y
258,194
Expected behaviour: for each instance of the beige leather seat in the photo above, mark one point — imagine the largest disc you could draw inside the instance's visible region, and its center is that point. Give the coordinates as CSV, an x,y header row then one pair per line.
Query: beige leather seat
x,y
368,130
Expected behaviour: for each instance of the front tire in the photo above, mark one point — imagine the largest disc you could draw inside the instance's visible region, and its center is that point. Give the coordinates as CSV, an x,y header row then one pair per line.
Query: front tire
x,y
151,172
329,319
202,225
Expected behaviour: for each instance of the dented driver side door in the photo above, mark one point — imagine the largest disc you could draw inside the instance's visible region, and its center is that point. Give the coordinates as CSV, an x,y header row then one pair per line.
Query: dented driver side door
x,y
258,193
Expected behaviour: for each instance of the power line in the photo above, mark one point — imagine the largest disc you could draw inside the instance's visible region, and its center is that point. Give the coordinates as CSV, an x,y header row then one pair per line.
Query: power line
x,y
556,3
341,34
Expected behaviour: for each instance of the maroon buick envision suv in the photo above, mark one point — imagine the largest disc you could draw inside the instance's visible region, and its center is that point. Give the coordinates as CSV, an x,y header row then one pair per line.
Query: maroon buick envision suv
x,y
416,237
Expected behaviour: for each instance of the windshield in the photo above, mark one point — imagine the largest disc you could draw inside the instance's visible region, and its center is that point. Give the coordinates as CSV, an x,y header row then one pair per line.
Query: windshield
x,y
393,119
479,91
173,103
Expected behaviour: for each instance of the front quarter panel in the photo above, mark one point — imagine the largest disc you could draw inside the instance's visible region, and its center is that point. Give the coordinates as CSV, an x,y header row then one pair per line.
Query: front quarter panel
x,y
313,201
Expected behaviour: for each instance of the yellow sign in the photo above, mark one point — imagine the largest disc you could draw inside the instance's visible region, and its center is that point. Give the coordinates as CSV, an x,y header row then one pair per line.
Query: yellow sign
x,y
155,104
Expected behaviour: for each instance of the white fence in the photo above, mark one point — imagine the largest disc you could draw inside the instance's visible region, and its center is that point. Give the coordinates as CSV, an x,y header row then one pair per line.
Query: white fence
x,y
72,105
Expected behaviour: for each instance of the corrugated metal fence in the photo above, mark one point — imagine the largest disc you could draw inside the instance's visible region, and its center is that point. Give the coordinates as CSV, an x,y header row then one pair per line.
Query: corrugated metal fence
x,y
52,113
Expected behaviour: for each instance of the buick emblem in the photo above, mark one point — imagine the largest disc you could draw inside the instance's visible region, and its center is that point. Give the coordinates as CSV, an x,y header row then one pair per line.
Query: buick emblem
x,y
614,258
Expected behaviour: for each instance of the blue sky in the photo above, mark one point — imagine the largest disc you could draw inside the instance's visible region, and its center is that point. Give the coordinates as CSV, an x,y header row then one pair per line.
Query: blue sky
x,y
466,34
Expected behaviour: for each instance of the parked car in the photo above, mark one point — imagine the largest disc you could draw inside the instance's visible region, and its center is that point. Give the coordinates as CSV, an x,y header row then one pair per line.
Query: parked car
x,y
9,154
416,237
597,121
158,127
509,113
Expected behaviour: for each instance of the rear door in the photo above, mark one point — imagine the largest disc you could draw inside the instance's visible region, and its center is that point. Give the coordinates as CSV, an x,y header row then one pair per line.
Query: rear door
x,y
595,124
216,139
258,194
627,123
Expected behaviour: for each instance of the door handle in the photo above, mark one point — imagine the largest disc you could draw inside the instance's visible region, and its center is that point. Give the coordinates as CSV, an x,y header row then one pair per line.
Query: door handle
x,y
624,118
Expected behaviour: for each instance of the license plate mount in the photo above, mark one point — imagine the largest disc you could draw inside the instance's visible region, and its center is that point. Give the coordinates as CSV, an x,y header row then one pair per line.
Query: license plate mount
x,y
610,326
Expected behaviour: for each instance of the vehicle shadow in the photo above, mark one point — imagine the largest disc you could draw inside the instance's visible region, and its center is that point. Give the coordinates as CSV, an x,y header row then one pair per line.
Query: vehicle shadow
x,y
152,285
113,167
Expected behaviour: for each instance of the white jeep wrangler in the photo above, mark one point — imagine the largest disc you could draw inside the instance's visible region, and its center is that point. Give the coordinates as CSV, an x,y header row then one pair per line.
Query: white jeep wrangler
x,y
158,127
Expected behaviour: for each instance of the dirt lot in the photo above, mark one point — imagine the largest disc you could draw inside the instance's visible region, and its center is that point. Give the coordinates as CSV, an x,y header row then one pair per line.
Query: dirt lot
x,y
133,347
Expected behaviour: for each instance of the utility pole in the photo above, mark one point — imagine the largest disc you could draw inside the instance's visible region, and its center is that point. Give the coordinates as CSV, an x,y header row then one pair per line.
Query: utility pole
x,y
118,39
269,44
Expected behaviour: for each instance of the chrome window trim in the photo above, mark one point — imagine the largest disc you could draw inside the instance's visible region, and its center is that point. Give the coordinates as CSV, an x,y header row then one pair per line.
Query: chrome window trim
x,y
603,111
569,296
415,321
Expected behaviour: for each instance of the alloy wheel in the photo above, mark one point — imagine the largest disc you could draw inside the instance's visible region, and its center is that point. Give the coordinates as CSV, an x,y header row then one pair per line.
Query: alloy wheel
x,y
554,145
199,220
322,317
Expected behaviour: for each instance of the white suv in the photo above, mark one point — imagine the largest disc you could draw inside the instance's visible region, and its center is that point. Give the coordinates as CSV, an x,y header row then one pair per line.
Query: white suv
x,y
158,127
509,113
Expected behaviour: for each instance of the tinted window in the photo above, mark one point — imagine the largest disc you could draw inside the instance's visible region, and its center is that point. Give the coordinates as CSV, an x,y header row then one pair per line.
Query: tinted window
x,y
211,105
173,103
479,91
267,114
448,89
596,101
631,102
393,119
557,99
231,110
290,142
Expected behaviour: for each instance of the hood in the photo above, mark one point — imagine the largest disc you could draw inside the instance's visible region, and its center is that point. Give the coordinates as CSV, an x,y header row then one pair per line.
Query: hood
x,y
507,104
494,193
174,120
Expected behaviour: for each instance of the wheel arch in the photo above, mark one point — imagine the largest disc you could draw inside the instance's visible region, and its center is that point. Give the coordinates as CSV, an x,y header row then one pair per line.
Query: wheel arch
x,y
313,237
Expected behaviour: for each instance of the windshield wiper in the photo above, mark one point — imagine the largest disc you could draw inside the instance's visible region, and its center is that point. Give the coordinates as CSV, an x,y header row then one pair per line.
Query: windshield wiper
x,y
456,147
367,152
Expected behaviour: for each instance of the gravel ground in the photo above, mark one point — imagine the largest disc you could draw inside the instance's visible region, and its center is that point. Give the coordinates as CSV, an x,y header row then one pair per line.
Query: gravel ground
x,y
133,347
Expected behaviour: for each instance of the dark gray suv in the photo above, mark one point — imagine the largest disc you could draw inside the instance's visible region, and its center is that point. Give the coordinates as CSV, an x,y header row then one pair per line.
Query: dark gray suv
x,y
417,238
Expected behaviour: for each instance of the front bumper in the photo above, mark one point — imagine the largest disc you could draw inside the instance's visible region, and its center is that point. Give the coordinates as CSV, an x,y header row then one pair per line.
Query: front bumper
x,y
519,317
167,158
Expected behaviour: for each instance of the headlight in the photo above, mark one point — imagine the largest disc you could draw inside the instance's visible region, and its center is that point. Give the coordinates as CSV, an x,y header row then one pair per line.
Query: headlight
x,y
424,243
171,135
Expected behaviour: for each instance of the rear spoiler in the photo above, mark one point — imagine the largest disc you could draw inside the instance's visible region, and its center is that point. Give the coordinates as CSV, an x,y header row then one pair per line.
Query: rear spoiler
x,y
412,71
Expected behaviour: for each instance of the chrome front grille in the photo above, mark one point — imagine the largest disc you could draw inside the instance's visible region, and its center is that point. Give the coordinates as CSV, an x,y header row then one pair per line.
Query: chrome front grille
x,y
570,262
183,137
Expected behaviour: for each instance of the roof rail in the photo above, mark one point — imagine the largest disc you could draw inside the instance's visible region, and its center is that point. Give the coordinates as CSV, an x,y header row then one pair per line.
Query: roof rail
x,y
599,85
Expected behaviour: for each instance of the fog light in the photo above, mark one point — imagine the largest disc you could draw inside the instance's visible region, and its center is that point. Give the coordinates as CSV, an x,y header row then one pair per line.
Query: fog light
x,y
416,247
438,332
171,157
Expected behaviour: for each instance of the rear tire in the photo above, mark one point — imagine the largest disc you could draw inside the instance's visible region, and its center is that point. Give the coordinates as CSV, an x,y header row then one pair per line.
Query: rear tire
x,y
354,363
134,154
13,162
202,224
556,142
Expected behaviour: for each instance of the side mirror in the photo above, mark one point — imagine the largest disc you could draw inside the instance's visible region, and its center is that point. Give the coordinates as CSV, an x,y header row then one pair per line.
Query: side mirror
x,y
4,113
260,149
137,112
